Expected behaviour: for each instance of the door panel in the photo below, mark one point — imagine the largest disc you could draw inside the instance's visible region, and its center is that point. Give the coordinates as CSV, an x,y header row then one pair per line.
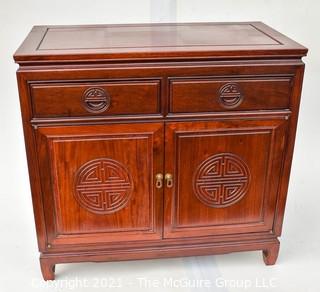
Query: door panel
x,y
98,182
226,176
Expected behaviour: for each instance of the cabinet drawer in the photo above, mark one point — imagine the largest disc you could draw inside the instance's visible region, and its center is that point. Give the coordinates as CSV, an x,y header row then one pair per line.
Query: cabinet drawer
x,y
213,94
95,98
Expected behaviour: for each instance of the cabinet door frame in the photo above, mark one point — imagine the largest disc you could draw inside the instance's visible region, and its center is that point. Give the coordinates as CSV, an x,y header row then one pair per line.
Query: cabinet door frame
x,y
276,127
45,136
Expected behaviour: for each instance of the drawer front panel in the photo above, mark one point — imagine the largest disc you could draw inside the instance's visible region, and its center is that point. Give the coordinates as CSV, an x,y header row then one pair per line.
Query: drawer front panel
x,y
205,95
98,98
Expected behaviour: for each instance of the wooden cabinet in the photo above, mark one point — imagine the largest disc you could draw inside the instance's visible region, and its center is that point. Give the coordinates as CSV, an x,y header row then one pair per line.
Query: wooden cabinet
x,y
147,141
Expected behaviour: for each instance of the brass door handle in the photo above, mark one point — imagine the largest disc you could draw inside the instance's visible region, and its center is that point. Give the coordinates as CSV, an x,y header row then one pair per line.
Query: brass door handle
x,y
169,180
159,180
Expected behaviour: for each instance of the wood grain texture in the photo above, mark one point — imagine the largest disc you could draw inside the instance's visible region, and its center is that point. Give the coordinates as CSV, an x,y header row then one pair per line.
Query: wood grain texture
x,y
63,151
106,112
71,99
205,95
259,144
49,44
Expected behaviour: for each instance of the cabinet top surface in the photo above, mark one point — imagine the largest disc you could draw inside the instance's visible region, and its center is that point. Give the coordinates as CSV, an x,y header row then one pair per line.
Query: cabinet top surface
x,y
155,41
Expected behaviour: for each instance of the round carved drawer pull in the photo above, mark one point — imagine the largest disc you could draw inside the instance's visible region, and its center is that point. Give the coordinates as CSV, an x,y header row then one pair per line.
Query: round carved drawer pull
x,y
230,95
96,100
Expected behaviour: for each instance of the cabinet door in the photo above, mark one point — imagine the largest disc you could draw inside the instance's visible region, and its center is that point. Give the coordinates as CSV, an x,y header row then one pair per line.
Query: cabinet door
x,y
98,182
225,176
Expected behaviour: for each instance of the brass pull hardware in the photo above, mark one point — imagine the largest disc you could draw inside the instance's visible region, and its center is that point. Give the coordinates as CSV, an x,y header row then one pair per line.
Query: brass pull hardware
x,y
159,179
169,180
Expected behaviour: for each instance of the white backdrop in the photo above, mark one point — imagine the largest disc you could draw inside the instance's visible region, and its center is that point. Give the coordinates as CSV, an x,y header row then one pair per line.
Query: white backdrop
x,y
297,267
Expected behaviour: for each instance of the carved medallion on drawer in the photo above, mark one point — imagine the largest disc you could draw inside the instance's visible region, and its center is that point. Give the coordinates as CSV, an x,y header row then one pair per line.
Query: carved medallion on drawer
x,y
96,100
221,180
239,93
230,95
103,186
109,98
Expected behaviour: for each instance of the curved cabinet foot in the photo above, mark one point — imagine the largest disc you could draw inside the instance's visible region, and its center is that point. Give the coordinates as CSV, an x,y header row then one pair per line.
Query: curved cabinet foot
x,y
47,269
270,254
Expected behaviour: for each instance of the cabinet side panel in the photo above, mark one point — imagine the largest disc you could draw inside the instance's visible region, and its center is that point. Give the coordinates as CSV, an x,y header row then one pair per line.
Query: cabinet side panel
x,y
286,168
32,159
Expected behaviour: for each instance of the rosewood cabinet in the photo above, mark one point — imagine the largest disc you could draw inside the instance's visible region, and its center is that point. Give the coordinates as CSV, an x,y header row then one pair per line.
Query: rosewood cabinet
x,y
160,140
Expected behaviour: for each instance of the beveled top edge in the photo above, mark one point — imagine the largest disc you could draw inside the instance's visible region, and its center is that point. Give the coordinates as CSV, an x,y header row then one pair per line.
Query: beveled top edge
x,y
36,47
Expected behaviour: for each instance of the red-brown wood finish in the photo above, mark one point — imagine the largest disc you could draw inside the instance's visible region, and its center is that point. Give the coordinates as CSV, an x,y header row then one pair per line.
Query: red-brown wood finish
x,y
117,98
158,140
206,95
81,162
252,152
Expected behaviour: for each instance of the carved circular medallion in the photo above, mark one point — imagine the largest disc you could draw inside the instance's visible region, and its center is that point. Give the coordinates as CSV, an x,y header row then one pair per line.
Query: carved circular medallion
x,y
96,100
230,95
103,186
221,180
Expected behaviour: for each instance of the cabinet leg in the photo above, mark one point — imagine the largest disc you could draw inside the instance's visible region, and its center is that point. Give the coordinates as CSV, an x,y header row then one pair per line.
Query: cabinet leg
x,y
47,269
270,254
